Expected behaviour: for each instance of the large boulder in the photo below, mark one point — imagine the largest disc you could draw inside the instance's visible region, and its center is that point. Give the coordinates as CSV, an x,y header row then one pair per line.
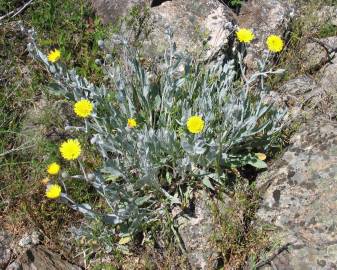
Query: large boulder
x,y
319,53
111,10
301,95
327,15
204,28
300,199
319,56
196,232
41,258
196,25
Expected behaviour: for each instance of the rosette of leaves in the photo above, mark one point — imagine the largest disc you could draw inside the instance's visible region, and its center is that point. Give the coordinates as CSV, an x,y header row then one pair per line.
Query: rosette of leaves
x,y
150,168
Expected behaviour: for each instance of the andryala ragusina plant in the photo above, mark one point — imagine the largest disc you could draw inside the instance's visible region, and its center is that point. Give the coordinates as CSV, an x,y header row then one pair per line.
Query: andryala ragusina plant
x,y
150,156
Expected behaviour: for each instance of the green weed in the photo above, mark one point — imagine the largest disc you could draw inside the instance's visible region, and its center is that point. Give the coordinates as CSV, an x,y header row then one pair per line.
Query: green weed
x,y
237,237
28,126
327,30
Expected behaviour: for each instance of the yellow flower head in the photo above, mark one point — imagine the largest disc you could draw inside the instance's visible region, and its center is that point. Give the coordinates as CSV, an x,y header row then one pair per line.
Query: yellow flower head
x,y
71,149
132,123
275,43
53,168
53,191
195,124
244,35
261,156
54,56
45,181
83,108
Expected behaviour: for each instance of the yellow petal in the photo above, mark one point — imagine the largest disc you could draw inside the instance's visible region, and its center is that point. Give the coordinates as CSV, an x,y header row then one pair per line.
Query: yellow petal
x,y
195,124
132,123
261,156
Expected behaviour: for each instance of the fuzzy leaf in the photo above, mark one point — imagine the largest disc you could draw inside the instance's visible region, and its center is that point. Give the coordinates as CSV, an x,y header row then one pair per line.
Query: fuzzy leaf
x,y
125,240
208,183
56,89
259,164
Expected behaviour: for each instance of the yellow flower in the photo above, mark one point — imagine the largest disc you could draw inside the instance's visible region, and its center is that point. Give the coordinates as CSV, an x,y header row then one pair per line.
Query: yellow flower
x,y
83,108
53,191
132,123
71,149
53,168
45,181
261,156
244,35
195,124
54,56
275,43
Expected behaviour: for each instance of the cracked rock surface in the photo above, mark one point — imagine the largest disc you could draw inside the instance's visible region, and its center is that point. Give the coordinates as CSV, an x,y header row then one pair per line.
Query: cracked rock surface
x,y
301,200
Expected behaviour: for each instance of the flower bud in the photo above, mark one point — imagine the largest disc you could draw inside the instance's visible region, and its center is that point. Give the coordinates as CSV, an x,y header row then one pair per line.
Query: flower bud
x,y
91,176
100,43
98,62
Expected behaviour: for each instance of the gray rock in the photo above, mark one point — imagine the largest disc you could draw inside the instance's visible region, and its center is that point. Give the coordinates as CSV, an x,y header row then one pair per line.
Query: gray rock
x,y
317,54
300,96
306,97
30,239
327,14
196,232
111,10
5,249
5,256
196,25
25,241
41,258
300,86
300,198
327,82
14,266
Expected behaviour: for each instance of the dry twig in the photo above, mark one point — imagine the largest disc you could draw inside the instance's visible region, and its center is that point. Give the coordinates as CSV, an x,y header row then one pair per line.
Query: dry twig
x,y
17,11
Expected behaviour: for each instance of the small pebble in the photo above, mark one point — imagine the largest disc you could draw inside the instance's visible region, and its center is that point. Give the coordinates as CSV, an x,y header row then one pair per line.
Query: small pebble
x,y
25,241
36,237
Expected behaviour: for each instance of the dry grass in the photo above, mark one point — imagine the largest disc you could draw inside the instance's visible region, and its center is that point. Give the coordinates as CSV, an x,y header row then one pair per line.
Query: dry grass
x,y
238,237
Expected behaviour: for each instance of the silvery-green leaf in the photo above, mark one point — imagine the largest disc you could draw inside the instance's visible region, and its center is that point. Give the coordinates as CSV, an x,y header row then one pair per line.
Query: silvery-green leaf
x,y
173,200
140,201
84,209
56,89
259,164
207,183
111,219
187,147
